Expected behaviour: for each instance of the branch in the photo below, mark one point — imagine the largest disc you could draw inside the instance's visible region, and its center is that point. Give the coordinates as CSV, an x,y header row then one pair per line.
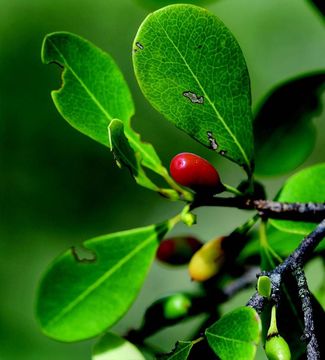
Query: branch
x,y
311,212
294,263
257,302
307,308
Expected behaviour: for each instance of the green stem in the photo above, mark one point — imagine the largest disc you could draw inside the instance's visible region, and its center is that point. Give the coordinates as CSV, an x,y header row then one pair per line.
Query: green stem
x,y
244,228
265,243
187,195
273,329
233,190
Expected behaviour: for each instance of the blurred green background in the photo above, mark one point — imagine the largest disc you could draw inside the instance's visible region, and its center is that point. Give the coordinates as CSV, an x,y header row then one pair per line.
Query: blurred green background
x,y
58,188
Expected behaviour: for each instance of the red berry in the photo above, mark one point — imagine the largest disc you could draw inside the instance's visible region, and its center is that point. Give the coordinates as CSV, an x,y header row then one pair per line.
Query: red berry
x,y
196,173
178,250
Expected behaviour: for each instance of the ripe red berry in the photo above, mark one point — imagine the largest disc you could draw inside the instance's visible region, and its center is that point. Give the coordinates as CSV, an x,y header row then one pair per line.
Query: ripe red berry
x,y
178,250
196,173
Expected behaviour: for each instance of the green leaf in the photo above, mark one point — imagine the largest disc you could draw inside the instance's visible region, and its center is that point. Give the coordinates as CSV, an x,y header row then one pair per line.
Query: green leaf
x,y
307,185
93,91
192,70
113,347
282,243
120,143
236,335
124,154
264,286
181,351
79,298
283,132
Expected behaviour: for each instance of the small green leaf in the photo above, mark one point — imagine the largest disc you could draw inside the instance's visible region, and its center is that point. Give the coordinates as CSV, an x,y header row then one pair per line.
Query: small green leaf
x,y
93,91
125,155
78,298
264,286
308,185
120,142
283,132
149,157
181,351
192,70
113,347
236,335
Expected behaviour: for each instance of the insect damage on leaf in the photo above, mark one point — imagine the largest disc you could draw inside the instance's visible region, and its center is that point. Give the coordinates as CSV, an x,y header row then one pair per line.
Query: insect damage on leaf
x,y
212,140
195,99
83,255
139,47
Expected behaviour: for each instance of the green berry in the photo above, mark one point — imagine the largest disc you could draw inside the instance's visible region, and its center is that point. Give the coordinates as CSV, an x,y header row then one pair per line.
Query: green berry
x,y
176,306
276,348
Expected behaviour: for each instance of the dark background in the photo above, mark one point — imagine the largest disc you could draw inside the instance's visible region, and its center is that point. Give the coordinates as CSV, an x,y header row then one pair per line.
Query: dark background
x,y
58,188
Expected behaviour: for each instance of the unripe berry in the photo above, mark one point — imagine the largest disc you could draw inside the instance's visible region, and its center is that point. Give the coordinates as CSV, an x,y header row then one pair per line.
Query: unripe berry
x,y
196,173
177,306
276,348
168,309
207,261
178,250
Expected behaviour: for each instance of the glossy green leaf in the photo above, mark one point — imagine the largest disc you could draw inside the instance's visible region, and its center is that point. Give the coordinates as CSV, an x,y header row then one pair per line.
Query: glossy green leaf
x,y
180,352
93,89
236,335
283,132
307,185
113,347
191,69
79,298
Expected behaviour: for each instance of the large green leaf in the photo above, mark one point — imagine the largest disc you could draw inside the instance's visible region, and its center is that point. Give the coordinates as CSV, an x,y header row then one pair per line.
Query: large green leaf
x,y
307,185
80,298
192,70
113,347
236,335
283,132
93,91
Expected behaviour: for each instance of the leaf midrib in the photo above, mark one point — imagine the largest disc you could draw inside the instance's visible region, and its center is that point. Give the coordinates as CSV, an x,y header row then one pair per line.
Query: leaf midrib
x,y
252,343
99,282
95,100
242,151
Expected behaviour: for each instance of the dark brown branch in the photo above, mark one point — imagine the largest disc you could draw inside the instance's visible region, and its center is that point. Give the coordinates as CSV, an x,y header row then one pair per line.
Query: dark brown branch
x,y
307,308
310,212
